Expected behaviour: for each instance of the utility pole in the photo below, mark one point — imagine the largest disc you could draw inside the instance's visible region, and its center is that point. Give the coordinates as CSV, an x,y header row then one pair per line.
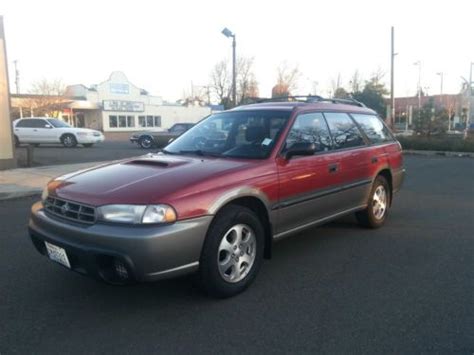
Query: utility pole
x,y
17,77
418,63
234,72
392,79
470,95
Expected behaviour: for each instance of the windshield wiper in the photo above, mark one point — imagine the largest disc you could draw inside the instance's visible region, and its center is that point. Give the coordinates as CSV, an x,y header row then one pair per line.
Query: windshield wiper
x,y
199,152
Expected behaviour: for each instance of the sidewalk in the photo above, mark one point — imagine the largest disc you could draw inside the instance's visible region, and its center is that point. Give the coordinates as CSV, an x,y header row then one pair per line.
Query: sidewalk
x,y
16,183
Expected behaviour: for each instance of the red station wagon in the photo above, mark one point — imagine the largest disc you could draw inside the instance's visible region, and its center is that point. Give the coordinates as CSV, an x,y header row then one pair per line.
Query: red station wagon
x,y
214,200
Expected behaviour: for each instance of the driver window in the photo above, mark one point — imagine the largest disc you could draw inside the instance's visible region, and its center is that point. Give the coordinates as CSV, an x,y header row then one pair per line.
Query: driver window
x,y
310,128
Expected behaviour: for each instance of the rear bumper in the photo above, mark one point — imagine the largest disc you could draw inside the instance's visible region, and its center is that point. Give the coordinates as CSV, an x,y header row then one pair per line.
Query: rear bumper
x,y
148,253
90,139
398,176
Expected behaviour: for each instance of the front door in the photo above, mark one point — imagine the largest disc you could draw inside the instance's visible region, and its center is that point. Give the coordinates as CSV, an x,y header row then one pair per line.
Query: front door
x,y
306,182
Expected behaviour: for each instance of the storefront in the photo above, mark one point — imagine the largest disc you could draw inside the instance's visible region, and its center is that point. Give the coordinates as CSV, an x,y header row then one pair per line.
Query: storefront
x,y
117,105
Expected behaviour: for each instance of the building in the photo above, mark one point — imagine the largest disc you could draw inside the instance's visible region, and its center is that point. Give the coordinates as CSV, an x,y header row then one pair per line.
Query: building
x,y
115,105
405,106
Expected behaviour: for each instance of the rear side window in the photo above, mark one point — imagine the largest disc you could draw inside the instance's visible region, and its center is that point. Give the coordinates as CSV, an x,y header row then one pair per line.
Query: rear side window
x,y
344,131
373,127
310,128
31,123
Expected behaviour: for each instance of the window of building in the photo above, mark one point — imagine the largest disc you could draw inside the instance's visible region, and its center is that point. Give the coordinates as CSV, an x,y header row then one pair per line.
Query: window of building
x,y
113,122
130,121
122,121
373,127
149,121
344,131
310,128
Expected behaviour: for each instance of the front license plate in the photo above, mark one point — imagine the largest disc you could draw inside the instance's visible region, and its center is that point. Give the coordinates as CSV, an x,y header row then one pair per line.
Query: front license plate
x,y
57,254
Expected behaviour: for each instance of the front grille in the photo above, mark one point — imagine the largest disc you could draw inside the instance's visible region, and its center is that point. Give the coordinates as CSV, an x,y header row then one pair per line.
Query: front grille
x,y
70,210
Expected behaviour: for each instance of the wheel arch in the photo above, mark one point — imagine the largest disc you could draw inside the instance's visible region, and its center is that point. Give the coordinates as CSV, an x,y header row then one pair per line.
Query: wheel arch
x,y
257,202
387,174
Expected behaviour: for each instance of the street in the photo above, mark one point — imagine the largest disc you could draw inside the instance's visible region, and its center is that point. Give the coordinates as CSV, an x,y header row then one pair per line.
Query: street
x,y
405,288
50,154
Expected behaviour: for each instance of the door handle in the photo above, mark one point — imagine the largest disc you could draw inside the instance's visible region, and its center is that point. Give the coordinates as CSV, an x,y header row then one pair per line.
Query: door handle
x,y
35,130
374,160
332,168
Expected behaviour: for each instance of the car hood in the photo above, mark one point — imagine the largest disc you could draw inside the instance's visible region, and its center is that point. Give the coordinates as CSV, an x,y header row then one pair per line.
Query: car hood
x,y
143,180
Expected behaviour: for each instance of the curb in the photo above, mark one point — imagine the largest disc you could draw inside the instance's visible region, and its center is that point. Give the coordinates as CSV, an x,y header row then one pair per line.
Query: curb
x,y
439,153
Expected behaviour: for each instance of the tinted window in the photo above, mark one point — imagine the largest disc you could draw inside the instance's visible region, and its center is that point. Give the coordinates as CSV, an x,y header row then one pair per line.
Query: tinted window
x,y
373,127
345,133
310,128
25,123
32,123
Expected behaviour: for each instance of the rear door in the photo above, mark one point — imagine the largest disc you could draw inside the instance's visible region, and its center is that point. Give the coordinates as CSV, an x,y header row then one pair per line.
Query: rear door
x,y
42,131
305,182
355,155
24,130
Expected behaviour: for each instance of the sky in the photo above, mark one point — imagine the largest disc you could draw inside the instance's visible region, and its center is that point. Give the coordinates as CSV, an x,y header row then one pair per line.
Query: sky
x,y
165,46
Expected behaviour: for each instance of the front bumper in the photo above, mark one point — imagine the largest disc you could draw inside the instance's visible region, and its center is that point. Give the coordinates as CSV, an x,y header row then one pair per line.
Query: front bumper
x,y
148,253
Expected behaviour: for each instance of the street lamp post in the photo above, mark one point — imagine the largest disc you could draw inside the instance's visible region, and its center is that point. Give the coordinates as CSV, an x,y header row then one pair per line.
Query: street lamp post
x,y
441,76
228,33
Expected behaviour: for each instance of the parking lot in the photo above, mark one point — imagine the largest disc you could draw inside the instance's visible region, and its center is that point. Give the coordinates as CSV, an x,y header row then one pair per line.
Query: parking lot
x,y
56,154
405,288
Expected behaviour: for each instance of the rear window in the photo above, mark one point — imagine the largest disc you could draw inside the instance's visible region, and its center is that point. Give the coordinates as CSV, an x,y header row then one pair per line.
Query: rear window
x,y
31,123
373,127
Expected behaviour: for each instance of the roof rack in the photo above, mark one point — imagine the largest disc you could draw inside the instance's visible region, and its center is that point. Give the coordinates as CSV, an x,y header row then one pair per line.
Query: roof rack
x,y
313,99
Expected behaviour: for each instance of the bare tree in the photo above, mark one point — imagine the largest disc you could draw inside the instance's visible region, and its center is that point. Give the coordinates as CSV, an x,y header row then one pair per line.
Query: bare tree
x,y
356,82
247,86
287,80
48,97
221,81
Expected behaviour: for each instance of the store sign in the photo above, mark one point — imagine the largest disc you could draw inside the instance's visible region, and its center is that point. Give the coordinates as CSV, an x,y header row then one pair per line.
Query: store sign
x,y
125,106
116,88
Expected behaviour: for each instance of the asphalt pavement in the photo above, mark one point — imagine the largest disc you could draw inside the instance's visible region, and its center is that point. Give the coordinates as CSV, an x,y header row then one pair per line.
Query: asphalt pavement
x,y
405,288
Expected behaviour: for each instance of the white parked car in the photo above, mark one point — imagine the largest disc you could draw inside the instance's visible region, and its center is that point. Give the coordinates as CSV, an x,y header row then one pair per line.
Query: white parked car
x,y
37,130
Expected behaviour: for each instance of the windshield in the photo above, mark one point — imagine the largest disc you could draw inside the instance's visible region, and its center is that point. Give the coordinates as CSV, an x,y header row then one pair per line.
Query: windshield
x,y
239,134
58,123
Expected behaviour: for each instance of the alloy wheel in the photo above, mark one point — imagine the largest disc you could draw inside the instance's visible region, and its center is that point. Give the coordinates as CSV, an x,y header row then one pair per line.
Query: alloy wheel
x,y
236,254
379,202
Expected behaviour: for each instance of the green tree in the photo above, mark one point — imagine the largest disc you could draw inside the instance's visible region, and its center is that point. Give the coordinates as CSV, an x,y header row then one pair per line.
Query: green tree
x,y
341,93
430,119
372,95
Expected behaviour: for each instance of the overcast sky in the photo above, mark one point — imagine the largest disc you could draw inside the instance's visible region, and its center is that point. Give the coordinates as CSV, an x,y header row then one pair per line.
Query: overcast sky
x,y
163,46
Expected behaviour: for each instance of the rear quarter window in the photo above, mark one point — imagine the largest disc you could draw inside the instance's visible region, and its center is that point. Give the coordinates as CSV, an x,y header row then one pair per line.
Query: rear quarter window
x,y
373,127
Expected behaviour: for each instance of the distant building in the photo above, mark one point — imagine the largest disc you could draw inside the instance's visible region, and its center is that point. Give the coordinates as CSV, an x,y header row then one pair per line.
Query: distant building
x,y
115,105
404,106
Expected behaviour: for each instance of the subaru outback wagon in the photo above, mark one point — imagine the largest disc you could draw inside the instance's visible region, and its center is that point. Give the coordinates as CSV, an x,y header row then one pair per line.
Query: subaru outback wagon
x,y
214,200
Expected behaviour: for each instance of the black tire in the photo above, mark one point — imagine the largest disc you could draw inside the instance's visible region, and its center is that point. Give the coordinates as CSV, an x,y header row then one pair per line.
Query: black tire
x,y
87,145
69,141
371,217
17,142
210,275
146,142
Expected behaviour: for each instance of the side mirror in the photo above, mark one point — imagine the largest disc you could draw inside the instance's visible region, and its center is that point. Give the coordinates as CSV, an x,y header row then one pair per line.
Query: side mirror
x,y
300,149
48,126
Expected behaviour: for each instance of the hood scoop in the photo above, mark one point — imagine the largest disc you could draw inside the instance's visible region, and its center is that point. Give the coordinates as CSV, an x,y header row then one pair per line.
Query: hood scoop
x,y
152,162
157,160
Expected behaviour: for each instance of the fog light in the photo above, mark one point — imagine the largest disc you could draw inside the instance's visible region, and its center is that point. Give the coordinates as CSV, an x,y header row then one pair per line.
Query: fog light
x,y
120,269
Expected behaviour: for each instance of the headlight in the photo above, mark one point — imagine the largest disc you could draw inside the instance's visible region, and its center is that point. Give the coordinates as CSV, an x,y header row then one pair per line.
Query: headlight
x,y
137,214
